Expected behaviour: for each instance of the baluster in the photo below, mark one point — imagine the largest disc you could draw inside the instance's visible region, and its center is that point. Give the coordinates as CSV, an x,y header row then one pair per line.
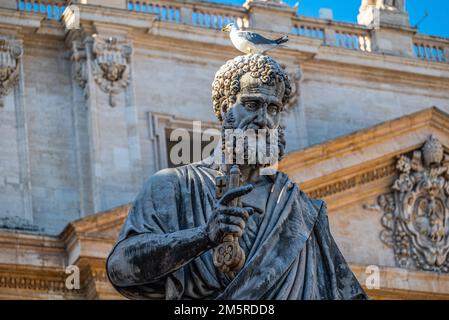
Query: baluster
x,y
355,40
321,34
427,51
56,12
214,21
171,14
48,11
440,54
207,20
194,18
362,43
177,15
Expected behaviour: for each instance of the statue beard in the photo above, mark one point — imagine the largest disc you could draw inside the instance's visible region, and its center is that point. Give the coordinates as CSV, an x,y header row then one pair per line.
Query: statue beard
x,y
250,146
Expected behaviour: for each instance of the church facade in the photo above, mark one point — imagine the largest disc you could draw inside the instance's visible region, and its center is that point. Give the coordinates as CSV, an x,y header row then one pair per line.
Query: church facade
x,y
91,91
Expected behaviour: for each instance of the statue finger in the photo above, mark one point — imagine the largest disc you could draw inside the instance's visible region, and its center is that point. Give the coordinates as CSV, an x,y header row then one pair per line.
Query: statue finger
x,y
235,193
233,220
231,229
243,213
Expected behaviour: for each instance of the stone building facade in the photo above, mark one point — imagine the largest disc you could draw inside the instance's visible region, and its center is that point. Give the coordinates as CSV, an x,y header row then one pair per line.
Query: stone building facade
x,y
91,90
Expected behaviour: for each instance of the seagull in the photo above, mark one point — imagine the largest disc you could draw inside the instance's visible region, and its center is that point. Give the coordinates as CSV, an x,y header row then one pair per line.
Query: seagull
x,y
251,42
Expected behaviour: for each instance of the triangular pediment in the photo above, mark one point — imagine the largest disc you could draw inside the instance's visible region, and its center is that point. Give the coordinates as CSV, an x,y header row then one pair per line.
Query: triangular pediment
x,y
386,190
339,169
106,224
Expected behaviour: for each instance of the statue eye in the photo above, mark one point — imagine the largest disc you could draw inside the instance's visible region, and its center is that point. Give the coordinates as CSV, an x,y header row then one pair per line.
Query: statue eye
x,y
251,105
273,109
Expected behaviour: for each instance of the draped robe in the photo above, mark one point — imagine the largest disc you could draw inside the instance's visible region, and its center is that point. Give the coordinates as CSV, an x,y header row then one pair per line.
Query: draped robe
x,y
290,252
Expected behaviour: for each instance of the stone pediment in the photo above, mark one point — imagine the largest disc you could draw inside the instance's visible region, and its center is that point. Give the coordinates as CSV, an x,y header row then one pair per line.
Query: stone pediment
x,y
387,192
105,224
335,169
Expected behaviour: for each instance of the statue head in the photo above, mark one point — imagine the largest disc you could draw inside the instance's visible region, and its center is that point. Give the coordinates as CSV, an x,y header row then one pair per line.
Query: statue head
x,y
250,92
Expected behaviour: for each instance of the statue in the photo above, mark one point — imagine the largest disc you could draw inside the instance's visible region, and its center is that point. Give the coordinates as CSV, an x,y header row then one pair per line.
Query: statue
x,y
229,229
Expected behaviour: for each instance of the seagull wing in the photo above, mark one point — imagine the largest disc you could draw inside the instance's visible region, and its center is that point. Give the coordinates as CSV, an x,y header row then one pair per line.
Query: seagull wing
x,y
255,38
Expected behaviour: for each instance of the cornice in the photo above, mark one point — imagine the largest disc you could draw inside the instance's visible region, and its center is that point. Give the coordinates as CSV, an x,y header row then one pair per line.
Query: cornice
x,y
397,283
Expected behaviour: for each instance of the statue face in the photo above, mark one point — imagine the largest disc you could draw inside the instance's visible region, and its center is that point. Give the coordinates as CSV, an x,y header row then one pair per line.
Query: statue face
x,y
258,105
258,110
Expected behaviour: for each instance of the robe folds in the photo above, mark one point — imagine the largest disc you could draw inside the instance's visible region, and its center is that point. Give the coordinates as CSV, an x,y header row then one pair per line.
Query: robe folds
x,y
290,252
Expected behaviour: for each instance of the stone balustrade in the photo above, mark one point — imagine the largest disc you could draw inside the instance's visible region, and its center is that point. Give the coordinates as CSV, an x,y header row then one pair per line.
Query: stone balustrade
x,y
52,9
215,16
431,48
333,33
206,15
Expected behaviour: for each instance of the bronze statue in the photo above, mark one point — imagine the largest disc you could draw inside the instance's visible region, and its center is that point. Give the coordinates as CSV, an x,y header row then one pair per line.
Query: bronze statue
x,y
258,237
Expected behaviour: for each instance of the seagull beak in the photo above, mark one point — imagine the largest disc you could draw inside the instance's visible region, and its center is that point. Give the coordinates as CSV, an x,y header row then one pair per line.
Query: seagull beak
x,y
225,29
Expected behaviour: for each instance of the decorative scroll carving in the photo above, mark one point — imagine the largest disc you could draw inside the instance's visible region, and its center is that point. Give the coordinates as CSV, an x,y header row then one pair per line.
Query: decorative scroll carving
x,y
10,55
416,212
111,64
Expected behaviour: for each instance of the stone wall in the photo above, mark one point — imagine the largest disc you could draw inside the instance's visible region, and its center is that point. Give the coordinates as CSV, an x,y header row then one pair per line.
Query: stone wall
x,y
68,153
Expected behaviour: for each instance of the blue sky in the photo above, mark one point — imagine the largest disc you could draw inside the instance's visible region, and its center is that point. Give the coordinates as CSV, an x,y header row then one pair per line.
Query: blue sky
x,y
437,23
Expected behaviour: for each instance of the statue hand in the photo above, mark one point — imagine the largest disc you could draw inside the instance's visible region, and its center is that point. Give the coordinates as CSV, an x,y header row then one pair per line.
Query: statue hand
x,y
227,219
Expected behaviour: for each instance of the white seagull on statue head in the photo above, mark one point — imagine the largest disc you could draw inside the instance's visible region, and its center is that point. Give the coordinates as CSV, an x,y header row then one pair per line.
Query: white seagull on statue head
x,y
251,42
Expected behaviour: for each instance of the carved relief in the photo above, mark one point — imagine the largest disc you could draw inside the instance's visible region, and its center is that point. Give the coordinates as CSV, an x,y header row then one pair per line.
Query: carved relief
x,y
111,64
79,66
10,55
416,212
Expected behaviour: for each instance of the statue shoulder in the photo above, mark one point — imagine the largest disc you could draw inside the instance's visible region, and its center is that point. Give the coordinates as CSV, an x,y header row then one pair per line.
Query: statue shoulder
x,y
318,204
162,181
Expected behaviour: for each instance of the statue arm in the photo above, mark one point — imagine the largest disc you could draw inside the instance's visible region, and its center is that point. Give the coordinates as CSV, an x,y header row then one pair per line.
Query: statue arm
x,y
147,257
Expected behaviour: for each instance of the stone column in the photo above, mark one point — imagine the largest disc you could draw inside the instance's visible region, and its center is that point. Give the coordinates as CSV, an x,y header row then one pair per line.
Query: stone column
x,y
15,177
109,154
391,32
270,15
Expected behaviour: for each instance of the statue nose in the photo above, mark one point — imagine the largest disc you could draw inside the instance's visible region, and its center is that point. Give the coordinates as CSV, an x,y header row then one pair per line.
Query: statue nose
x,y
261,118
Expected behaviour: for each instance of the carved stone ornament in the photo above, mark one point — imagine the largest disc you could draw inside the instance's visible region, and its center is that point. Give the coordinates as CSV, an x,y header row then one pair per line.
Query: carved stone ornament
x,y
79,66
10,55
111,64
416,213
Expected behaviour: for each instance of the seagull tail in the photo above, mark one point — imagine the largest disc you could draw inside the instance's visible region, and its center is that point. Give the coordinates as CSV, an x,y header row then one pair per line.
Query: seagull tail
x,y
281,40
